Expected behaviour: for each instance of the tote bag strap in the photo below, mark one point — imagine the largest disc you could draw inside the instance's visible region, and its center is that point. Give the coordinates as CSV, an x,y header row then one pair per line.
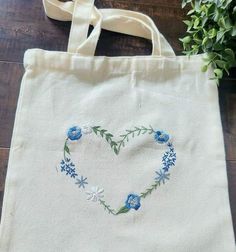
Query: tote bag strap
x,y
128,22
140,25
83,12
80,10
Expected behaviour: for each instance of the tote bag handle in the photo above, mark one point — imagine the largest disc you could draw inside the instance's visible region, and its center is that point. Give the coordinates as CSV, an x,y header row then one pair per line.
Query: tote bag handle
x,y
83,12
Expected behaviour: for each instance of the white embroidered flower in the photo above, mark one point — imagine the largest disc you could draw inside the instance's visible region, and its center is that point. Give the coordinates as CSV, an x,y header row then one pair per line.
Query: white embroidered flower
x,y
95,194
86,129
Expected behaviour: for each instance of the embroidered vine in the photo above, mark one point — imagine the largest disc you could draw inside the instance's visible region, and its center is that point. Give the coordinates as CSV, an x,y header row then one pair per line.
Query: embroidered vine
x,y
108,136
131,133
149,190
107,207
96,194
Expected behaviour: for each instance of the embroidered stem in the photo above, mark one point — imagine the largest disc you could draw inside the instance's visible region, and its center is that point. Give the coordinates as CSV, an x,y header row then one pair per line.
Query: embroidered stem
x,y
108,136
150,189
135,132
66,149
107,207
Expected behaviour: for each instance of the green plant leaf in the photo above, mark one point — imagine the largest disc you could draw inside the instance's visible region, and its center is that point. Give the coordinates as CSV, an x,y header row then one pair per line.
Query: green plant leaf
x,y
196,23
212,55
186,39
197,39
221,63
216,15
230,53
185,2
218,47
212,33
204,41
233,31
188,23
190,12
220,35
204,20
219,73
221,22
224,4
204,68
211,28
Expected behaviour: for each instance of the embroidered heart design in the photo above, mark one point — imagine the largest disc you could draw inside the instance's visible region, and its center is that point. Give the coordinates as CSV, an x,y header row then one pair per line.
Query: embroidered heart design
x,y
96,194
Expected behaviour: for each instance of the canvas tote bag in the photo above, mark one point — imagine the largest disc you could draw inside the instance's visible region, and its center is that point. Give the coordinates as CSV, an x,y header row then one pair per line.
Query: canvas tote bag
x,y
115,153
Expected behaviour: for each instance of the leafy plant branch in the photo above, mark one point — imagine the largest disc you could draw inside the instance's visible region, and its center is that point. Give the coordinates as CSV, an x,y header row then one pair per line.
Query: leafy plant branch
x,y
211,29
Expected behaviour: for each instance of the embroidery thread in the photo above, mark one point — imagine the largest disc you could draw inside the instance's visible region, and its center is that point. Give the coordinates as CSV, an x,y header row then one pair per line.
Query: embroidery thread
x,y
96,194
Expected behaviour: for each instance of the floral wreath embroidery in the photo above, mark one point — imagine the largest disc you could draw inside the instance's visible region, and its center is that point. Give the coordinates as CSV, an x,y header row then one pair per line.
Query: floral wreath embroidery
x,y
96,194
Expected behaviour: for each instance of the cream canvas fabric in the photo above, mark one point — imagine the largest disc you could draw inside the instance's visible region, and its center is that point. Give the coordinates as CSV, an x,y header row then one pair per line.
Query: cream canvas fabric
x,y
115,153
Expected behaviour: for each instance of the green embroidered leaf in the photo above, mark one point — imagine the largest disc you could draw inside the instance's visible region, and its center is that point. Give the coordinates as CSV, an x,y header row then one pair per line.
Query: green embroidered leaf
x,y
102,131
95,129
123,209
66,149
116,151
109,135
108,138
113,143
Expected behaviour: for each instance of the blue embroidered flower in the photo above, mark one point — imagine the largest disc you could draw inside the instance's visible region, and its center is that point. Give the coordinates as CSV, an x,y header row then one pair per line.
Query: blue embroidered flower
x,y
133,201
68,167
162,177
161,137
81,182
74,133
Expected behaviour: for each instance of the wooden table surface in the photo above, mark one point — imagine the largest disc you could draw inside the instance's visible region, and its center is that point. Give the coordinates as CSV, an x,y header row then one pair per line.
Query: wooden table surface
x,y
23,25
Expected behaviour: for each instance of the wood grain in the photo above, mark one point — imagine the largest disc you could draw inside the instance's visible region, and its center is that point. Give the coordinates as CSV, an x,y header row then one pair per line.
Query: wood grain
x,y
227,96
4,152
19,32
231,168
10,78
23,25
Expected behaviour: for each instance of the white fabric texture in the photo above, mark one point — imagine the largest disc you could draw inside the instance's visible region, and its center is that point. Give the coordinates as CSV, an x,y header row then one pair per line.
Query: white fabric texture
x,y
162,102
